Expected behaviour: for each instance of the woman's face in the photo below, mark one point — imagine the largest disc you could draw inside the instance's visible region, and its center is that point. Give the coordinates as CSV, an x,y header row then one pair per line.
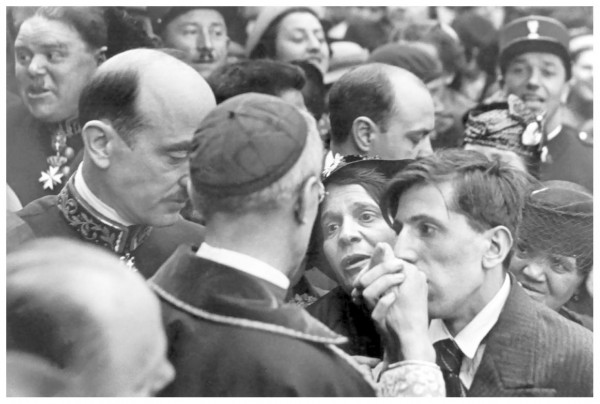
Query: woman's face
x,y
300,37
548,278
351,224
52,65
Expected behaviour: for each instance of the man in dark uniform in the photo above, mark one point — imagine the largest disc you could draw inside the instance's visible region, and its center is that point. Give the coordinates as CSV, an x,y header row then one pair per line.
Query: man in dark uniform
x,y
255,168
536,66
138,115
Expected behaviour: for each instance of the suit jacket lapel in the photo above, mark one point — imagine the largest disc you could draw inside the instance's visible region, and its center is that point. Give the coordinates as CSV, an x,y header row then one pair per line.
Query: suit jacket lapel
x,y
508,364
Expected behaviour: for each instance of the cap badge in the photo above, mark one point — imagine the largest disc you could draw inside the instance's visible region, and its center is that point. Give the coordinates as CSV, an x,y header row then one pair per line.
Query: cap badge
x,y
533,26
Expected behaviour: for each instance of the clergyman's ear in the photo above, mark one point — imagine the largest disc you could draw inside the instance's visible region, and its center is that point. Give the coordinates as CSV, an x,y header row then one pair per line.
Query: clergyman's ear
x,y
500,242
364,131
307,203
98,139
100,55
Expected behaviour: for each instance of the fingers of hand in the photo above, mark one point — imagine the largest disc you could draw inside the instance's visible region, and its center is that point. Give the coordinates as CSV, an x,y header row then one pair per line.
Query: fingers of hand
x,y
381,309
392,265
381,286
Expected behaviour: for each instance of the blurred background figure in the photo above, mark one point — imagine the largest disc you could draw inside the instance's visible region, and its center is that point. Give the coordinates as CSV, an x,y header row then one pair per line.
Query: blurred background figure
x,y
369,27
280,79
554,252
201,32
288,34
479,39
86,314
447,48
506,130
57,50
578,110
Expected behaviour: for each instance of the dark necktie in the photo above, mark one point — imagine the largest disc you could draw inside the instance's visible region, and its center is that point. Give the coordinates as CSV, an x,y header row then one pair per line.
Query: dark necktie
x,y
449,358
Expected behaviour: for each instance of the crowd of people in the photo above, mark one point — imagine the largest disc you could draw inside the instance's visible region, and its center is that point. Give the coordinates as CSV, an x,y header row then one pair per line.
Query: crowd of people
x,y
299,201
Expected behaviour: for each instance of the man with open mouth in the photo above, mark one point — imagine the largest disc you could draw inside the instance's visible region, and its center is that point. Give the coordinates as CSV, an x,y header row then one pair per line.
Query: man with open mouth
x,y
536,66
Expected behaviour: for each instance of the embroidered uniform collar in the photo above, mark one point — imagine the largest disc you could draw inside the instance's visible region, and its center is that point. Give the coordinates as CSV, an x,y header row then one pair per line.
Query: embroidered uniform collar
x,y
95,227
470,337
244,263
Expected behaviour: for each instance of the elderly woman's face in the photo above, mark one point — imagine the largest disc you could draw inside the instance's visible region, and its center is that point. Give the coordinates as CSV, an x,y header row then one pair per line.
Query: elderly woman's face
x,y
301,37
548,278
351,224
52,66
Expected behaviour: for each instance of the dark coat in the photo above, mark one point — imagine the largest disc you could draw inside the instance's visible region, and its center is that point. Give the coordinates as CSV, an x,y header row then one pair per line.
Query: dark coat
x,y
46,220
572,159
337,312
230,334
533,351
27,150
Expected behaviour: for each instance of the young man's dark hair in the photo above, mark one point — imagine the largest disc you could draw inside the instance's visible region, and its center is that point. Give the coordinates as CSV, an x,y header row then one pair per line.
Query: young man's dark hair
x,y
259,76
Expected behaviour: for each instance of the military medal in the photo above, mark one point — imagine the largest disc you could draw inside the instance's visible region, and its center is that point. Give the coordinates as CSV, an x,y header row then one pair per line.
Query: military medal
x,y
57,168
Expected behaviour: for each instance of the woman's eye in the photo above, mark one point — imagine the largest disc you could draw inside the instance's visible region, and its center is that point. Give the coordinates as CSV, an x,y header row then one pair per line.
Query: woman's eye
x,y
23,57
54,56
331,228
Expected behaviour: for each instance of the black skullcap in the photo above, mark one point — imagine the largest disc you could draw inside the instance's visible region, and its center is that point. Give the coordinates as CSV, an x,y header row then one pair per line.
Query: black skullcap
x,y
245,144
410,57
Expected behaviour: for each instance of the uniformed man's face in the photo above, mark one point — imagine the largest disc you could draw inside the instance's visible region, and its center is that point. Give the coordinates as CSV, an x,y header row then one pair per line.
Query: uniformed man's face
x,y
149,177
539,79
202,34
53,64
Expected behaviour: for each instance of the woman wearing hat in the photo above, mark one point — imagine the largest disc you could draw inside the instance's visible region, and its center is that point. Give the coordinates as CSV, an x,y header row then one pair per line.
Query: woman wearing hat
x,y
555,248
349,226
288,34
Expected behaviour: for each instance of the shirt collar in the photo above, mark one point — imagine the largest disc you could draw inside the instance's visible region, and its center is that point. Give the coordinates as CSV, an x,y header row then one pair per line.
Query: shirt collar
x,y
470,337
85,192
244,263
554,133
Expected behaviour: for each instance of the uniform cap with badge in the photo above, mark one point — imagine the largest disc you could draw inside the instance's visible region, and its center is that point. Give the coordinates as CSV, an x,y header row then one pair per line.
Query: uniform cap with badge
x,y
534,34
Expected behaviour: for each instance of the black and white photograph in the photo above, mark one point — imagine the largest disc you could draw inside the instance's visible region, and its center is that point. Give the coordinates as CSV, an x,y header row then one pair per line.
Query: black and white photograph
x,y
299,200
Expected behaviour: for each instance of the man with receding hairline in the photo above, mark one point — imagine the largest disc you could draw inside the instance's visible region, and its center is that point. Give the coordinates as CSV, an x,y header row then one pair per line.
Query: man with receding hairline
x,y
138,114
381,110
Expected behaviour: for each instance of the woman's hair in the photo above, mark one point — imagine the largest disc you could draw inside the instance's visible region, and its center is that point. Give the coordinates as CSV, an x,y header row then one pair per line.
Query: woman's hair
x,y
265,48
370,179
101,26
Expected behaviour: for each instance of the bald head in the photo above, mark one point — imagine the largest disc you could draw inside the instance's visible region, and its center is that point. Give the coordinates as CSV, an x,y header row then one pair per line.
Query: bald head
x,y
84,311
370,100
125,80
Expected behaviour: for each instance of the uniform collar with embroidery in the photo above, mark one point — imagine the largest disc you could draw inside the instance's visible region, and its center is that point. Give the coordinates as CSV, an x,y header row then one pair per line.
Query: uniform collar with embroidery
x,y
96,228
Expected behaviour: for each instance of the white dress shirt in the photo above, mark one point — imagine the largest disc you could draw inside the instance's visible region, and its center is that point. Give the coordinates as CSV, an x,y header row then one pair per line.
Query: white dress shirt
x,y
102,208
244,263
470,338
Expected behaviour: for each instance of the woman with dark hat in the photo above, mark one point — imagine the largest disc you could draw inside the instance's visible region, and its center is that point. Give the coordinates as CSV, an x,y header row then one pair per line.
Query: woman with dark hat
x,y
555,248
348,228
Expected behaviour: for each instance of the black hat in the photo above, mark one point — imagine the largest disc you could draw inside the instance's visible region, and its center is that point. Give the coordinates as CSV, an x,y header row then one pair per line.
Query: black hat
x,y
410,56
161,16
534,34
388,168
